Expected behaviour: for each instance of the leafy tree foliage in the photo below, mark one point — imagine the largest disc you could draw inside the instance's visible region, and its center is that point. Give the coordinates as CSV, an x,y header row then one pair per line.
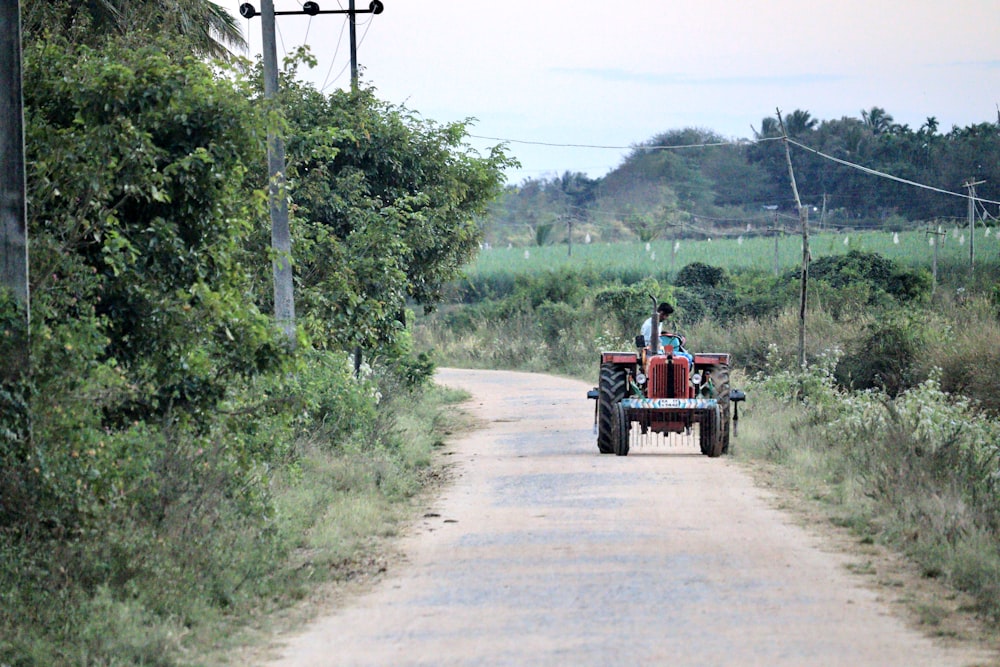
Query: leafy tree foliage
x,y
138,219
203,26
384,206
679,183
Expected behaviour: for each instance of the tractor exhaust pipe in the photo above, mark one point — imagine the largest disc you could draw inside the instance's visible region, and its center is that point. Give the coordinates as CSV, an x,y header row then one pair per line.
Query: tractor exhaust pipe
x,y
654,333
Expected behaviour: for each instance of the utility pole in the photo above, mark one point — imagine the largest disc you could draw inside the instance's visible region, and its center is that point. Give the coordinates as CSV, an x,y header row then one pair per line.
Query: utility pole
x,y
354,47
970,185
311,8
15,355
569,235
281,239
776,231
804,222
281,242
13,226
934,234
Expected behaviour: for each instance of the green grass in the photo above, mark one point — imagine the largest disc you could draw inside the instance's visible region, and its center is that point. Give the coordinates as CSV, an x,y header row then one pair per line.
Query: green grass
x,y
742,252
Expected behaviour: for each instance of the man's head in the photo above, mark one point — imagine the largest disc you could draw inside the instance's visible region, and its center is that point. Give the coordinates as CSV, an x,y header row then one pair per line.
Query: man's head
x,y
664,310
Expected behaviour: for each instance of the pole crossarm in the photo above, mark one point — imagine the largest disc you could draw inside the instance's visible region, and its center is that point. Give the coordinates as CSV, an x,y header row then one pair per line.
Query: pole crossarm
x,y
312,9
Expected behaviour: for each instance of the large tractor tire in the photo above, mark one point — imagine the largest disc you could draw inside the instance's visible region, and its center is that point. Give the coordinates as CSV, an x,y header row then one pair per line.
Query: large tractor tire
x,y
720,379
709,426
713,434
611,388
621,428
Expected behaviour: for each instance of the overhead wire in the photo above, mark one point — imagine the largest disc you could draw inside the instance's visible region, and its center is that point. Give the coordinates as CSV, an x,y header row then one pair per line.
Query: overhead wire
x,y
343,69
882,174
738,142
336,50
868,170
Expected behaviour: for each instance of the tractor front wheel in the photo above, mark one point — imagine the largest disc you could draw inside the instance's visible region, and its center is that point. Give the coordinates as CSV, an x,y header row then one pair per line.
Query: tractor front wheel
x,y
620,430
709,433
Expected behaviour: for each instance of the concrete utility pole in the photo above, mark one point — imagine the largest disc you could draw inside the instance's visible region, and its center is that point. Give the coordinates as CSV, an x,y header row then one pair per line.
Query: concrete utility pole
x,y
13,225
15,349
569,236
281,242
281,238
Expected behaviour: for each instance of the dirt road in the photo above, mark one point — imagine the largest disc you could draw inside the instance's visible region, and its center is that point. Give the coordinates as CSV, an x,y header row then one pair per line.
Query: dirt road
x,y
543,552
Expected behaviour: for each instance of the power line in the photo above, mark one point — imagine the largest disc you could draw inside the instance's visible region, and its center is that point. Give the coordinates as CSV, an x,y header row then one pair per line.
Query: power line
x,y
368,25
881,174
739,142
333,59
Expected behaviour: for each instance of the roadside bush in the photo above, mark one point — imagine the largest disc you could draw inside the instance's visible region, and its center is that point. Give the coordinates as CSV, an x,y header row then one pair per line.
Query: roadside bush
x,y
701,275
559,322
932,463
887,356
626,307
968,354
758,294
883,276
562,285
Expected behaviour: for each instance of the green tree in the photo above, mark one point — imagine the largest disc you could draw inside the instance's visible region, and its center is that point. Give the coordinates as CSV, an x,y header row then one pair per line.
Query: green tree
x,y
877,120
206,27
384,206
138,214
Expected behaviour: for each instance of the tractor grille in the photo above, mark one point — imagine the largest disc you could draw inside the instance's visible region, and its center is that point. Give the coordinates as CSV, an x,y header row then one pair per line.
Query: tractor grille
x,y
668,380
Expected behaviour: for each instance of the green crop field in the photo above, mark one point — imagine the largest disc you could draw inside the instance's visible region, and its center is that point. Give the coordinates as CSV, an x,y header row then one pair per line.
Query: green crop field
x,y
665,257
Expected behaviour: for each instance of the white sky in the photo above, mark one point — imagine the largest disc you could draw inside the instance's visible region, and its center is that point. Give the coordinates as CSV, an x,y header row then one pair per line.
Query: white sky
x,y
603,73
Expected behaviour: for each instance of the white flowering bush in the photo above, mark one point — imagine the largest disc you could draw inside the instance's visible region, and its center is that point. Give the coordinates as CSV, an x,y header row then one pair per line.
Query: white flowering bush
x,y
813,387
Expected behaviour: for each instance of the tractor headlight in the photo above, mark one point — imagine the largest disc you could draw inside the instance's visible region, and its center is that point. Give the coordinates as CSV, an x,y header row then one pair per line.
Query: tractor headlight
x,y
696,379
640,378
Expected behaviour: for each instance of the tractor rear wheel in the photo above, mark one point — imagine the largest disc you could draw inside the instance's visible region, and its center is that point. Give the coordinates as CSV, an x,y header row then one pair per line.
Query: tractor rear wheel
x,y
720,380
621,429
611,388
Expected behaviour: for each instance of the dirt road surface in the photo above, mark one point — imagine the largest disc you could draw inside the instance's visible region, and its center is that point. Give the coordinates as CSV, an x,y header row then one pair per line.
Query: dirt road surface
x,y
544,552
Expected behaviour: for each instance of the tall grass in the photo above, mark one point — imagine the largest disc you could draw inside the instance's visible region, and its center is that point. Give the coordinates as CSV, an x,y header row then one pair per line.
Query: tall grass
x,y
920,472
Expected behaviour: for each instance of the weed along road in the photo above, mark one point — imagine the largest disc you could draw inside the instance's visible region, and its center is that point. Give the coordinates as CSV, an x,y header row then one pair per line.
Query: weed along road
x,y
541,551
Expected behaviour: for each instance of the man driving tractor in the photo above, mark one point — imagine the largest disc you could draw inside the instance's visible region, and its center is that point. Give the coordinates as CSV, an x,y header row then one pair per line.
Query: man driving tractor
x,y
674,340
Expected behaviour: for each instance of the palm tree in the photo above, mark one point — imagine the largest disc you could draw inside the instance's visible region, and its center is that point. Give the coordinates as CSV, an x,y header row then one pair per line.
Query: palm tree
x,y
768,128
877,120
208,28
799,122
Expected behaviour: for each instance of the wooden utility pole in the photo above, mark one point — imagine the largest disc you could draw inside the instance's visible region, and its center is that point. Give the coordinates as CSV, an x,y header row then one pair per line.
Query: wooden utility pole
x,y
569,235
776,232
804,222
935,234
281,239
970,185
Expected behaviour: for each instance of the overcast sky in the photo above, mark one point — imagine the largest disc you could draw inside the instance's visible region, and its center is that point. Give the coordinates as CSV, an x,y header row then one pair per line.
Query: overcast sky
x,y
615,74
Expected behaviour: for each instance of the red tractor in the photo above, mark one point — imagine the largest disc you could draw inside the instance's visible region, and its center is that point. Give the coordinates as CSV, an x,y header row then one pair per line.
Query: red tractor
x,y
664,389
